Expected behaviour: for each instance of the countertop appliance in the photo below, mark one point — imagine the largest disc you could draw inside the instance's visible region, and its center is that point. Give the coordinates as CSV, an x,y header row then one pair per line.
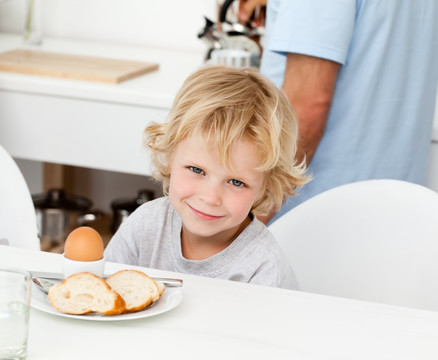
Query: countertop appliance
x,y
228,33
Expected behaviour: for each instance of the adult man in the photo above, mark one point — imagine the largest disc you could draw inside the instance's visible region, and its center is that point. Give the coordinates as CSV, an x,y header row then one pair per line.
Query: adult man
x,y
362,77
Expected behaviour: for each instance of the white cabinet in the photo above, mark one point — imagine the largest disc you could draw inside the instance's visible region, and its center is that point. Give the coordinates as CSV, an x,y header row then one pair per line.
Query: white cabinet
x,y
76,132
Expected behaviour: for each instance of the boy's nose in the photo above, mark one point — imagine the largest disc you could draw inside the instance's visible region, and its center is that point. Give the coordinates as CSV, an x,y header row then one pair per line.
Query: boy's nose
x,y
210,193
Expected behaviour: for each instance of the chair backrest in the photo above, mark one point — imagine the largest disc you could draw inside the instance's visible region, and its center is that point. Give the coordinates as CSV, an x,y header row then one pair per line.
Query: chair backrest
x,y
373,240
18,222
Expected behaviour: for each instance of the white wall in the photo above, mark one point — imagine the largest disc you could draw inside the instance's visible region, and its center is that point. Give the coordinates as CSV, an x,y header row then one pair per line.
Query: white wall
x,y
158,23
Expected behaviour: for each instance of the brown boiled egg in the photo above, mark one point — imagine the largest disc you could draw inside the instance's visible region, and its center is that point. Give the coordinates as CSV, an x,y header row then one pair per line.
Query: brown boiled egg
x,y
84,244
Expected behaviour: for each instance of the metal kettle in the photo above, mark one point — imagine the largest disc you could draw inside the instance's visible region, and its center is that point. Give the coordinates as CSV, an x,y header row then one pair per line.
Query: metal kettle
x,y
230,34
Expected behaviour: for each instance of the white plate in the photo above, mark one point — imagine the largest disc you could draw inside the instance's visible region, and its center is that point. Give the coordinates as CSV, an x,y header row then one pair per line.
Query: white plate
x,y
171,298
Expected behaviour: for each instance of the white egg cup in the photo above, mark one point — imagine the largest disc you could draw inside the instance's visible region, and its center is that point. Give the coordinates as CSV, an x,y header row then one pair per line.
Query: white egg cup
x,y
70,267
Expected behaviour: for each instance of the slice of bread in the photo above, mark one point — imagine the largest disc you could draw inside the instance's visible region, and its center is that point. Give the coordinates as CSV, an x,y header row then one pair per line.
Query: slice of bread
x,y
136,288
83,293
161,287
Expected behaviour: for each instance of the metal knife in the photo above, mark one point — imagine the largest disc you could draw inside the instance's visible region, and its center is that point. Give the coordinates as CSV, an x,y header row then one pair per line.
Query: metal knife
x,y
59,276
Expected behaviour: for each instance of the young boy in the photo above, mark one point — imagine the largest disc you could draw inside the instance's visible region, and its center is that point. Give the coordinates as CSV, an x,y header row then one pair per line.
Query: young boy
x,y
225,156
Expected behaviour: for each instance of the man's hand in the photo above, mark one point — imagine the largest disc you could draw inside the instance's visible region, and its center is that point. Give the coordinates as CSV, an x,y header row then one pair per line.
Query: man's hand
x,y
247,7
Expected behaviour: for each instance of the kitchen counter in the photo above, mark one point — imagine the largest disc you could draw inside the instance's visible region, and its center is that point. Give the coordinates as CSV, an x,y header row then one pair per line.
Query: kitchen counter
x,y
155,89
88,124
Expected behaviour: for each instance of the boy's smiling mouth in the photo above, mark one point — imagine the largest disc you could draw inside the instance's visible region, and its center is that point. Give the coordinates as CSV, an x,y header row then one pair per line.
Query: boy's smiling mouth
x,y
202,215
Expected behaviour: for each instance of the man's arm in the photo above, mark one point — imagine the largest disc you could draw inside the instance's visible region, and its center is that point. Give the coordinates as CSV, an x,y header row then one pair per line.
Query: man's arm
x,y
309,83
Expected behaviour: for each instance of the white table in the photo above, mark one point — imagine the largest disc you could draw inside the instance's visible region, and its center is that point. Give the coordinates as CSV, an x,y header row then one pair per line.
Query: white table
x,y
227,320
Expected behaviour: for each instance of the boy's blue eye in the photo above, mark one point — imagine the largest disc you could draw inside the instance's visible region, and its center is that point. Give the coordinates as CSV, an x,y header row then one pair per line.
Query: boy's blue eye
x,y
237,182
196,170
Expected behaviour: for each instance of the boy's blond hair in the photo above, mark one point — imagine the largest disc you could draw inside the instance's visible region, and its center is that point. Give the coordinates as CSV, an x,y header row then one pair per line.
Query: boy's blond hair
x,y
226,105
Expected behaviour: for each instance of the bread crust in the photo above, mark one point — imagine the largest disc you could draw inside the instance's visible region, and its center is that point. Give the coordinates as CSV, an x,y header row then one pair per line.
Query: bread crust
x,y
161,287
84,293
136,288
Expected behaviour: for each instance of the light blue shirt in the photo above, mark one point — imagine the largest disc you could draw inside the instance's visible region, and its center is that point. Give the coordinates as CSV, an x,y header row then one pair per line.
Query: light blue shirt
x,y
381,119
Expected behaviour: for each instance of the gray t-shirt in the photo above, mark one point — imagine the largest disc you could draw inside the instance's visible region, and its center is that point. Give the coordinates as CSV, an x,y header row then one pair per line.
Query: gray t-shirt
x,y
151,237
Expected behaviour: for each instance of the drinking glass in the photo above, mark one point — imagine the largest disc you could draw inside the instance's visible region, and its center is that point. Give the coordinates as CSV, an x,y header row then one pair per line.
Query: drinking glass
x,y
15,292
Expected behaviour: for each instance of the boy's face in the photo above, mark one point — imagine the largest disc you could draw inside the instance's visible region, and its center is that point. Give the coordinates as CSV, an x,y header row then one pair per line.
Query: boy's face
x,y
213,201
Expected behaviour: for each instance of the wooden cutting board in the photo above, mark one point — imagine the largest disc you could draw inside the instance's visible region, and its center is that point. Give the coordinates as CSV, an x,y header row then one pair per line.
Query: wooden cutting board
x,y
73,66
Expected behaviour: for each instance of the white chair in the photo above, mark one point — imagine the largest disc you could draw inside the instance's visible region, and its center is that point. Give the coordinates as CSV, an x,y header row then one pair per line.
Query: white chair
x,y
18,223
373,240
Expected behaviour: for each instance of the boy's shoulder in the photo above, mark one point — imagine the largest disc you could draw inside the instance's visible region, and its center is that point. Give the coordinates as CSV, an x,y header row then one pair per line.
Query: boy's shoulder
x,y
257,236
264,240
